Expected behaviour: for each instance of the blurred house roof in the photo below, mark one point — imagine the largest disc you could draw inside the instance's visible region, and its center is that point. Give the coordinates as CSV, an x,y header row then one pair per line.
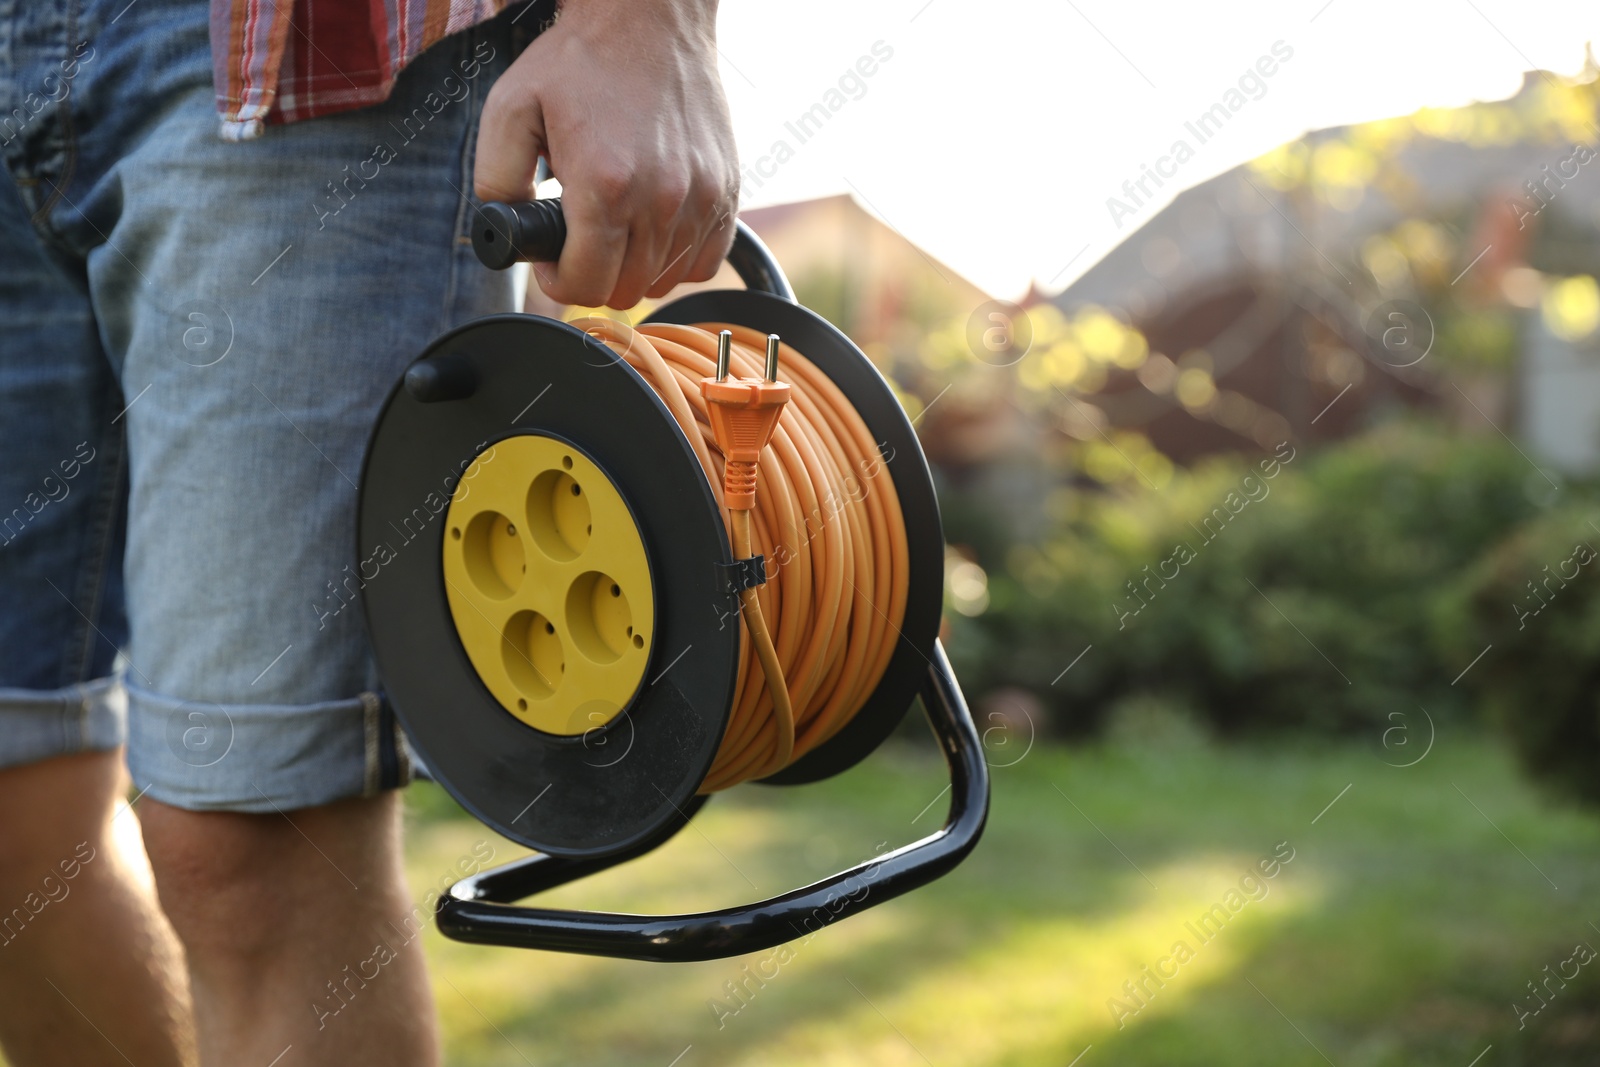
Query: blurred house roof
x,y
1260,281
1237,224
833,239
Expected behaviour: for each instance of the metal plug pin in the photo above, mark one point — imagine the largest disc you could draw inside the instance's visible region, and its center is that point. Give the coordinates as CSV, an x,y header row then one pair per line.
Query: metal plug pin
x,y
724,349
772,357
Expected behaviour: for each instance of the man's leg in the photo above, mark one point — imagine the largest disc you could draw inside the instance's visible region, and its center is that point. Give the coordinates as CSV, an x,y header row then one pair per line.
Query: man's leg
x,y
90,972
89,969
258,301
299,933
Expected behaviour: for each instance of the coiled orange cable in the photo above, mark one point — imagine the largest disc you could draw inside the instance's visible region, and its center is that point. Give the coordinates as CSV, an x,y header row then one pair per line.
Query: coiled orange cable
x,y
828,521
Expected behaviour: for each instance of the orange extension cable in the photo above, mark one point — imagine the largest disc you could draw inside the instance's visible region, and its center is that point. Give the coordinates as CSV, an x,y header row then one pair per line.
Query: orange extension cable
x,y
828,521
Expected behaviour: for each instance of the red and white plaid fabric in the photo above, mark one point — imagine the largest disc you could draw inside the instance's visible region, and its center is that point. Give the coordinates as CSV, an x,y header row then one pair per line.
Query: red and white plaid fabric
x,y
283,62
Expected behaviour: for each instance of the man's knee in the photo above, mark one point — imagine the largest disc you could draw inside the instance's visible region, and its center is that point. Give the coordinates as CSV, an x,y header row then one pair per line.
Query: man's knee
x,y
239,887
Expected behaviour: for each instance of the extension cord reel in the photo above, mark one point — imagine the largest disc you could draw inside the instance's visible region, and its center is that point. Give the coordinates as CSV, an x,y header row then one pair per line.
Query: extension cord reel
x,y
562,643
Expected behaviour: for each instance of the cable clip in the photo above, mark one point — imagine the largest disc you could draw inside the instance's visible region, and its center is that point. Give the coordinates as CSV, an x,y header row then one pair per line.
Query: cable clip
x,y
743,574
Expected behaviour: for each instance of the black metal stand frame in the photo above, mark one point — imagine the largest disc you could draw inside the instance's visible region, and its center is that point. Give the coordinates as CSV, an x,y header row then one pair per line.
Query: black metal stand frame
x,y
481,909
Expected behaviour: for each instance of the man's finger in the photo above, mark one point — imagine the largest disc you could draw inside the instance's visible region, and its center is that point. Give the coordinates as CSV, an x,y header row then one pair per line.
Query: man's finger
x,y
713,247
591,260
639,264
680,252
511,139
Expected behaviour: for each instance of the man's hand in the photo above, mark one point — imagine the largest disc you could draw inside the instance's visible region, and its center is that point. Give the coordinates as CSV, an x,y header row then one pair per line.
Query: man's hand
x,y
623,98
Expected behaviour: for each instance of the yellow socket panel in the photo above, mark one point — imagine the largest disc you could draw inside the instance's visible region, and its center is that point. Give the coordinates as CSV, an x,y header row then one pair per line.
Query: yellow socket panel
x,y
548,584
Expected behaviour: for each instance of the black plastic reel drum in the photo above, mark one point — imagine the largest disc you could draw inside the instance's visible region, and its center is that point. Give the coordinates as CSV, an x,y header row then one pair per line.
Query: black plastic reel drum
x,y
520,420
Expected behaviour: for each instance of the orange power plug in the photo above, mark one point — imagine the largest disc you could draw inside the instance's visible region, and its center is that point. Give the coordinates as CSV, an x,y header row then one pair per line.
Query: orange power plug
x,y
744,412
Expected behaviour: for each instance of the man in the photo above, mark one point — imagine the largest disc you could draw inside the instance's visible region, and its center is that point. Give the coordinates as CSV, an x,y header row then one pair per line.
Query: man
x,y
196,333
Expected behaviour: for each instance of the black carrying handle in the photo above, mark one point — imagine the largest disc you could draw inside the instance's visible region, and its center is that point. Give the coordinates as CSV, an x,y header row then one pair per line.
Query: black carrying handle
x,y
534,231
478,910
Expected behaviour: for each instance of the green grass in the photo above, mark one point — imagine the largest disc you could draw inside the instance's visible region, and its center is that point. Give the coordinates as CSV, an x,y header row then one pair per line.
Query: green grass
x,y
1400,933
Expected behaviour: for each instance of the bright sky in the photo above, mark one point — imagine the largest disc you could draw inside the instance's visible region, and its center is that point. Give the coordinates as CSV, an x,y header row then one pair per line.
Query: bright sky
x,y
995,131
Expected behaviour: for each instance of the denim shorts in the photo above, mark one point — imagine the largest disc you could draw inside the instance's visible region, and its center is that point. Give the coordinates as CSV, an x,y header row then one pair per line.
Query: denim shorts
x,y
195,339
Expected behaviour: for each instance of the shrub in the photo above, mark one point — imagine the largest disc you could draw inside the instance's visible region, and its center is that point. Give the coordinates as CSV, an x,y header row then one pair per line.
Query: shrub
x,y
1534,604
1291,591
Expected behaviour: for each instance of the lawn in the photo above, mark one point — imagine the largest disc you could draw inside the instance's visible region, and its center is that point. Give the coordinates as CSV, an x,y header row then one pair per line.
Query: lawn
x,y
1408,918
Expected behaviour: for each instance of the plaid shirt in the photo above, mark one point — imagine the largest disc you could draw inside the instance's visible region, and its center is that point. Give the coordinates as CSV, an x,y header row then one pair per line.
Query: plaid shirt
x,y
282,62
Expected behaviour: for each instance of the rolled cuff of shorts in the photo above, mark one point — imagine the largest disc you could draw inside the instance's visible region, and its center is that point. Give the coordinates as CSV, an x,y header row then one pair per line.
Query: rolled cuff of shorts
x,y
41,724
263,757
